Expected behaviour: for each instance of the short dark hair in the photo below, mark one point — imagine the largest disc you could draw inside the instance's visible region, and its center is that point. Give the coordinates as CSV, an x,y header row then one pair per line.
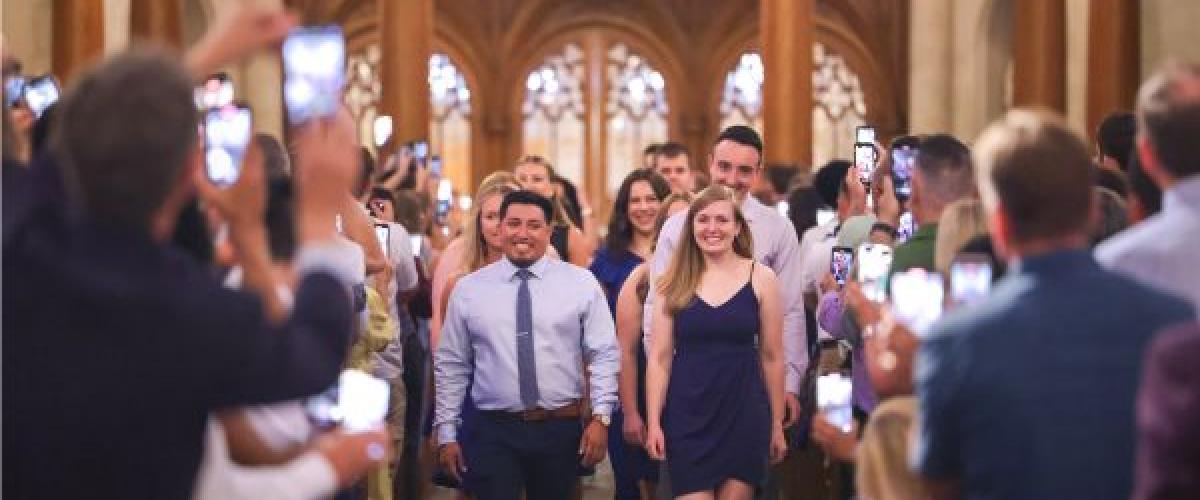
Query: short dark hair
x,y
620,230
1170,118
671,149
830,181
524,197
652,149
125,164
1114,180
803,203
384,194
410,207
1142,187
275,157
945,165
1114,136
280,220
743,135
780,176
1038,172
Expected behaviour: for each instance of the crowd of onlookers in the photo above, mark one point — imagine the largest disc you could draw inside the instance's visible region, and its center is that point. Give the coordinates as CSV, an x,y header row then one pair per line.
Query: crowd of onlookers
x,y
1009,318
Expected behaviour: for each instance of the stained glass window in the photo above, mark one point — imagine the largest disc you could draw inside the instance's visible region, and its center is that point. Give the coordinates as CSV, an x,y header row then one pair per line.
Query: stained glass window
x,y
838,102
450,123
363,91
635,112
553,112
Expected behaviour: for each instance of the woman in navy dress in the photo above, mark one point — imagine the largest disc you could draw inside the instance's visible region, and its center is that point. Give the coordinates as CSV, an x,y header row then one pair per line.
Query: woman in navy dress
x,y
714,381
631,233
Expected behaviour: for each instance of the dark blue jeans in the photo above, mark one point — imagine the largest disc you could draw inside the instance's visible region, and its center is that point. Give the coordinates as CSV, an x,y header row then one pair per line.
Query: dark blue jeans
x,y
509,456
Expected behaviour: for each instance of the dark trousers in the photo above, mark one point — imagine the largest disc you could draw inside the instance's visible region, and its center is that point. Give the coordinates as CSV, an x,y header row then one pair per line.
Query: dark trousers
x,y
508,456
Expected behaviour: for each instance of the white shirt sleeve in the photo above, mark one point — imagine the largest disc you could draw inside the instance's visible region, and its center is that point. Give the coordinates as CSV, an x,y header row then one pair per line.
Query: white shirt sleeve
x,y
306,477
400,252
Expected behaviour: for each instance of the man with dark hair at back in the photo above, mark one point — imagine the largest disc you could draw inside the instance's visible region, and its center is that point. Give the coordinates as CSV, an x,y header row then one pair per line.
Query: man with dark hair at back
x,y
775,182
1030,393
1114,140
675,165
942,174
736,163
650,156
524,333
1161,251
117,347
1145,197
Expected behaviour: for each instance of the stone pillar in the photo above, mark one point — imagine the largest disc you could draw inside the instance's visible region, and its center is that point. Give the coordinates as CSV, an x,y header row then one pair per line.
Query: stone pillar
x,y
406,41
1040,54
931,35
1113,58
78,36
156,21
787,52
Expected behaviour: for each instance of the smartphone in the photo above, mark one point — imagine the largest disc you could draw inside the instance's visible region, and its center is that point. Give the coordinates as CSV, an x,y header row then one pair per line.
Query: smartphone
x,y
465,202
825,216
906,228
14,89
435,165
415,241
314,62
382,129
970,278
864,133
917,297
216,92
226,137
420,149
841,260
384,233
358,402
40,93
864,159
874,261
782,207
903,156
835,393
445,191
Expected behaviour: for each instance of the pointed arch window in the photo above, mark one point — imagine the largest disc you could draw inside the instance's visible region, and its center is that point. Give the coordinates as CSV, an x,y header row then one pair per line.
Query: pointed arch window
x,y
553,112
450,120
635,112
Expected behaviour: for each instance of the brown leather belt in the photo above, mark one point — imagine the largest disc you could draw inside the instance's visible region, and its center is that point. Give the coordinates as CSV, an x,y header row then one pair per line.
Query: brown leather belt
x,y
570,411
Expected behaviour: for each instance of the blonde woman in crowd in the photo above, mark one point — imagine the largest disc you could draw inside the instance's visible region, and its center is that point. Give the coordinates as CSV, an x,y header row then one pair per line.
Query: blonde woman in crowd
x,y
536,174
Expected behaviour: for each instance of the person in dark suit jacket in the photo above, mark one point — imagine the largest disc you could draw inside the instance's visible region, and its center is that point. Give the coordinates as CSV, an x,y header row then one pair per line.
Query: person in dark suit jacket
x,y
1168,439
116,346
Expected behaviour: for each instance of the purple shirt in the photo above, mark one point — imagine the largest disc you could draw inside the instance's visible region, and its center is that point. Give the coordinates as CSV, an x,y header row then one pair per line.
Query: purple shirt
x,y
1168,411
830,312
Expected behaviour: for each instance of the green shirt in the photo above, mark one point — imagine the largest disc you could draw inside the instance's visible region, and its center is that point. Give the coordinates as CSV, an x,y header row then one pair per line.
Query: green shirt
x,y
917,251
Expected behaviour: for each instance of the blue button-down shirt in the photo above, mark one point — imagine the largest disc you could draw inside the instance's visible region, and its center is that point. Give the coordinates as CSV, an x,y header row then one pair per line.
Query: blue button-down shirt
x,y
571,327
1161,250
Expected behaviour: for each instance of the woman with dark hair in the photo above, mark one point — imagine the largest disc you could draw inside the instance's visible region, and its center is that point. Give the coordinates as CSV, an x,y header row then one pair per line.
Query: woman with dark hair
x,y
630,230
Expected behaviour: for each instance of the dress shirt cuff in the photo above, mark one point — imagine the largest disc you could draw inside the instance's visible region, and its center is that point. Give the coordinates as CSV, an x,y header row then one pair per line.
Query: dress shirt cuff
x,y
605,409
313,475
327,257
447,433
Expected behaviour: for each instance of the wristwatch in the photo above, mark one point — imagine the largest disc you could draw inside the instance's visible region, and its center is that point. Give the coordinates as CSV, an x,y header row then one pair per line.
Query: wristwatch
x,y
604,420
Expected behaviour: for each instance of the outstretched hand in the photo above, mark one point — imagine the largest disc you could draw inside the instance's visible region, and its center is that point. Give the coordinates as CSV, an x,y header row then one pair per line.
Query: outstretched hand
x,y
238,32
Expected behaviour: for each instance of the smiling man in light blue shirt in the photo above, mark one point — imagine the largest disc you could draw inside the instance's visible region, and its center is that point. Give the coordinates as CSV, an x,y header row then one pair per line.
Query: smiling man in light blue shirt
x,y
520,333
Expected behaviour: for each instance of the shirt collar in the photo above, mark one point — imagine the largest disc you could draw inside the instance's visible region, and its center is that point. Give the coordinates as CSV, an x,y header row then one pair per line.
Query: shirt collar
x,y
1053,262
538,268
1184,194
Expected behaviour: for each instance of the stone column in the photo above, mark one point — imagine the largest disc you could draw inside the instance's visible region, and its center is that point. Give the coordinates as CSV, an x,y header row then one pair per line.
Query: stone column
x,y
406,41
787,52
78,36
931,35
1040,54
1113,58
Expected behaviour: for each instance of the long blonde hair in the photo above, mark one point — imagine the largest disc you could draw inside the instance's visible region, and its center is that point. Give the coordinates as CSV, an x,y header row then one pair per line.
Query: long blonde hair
x,y
476,248
678,285
961,221
560,210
